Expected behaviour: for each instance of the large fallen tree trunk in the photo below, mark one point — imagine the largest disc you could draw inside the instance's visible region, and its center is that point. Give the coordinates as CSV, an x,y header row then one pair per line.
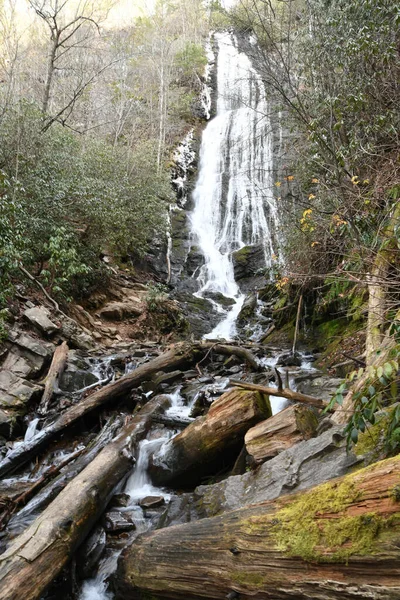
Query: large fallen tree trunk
x,y
280,393
37,556
338,540
228,350
179,355
210,442
280,432
54,487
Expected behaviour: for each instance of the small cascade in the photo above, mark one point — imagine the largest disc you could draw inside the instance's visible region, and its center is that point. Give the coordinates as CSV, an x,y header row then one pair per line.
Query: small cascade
x,y
234,199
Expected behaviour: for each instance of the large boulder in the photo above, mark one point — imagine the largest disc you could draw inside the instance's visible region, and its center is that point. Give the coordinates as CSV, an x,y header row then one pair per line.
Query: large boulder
x,y
39,318
302,466
27,355
117,311
248,261
15,394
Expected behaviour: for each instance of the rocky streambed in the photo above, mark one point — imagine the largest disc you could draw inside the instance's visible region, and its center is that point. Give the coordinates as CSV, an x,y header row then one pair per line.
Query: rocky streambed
x,y
144,438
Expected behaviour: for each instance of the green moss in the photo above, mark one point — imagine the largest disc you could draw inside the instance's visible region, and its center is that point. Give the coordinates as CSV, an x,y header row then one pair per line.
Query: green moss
x,y
264,404
370,441
241,256
249,579
297,529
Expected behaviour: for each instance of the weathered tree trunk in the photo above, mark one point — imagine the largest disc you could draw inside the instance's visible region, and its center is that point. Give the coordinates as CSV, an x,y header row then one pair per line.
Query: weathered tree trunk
x,y
377,282
282,431
56,370
212,441
179,355
37,556
338,540
283,393
53,488
228,350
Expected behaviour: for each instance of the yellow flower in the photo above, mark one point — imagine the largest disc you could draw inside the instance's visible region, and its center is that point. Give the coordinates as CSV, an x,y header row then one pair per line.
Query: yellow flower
x,y
366,181
278,184
355,180
289,177
314,180
311,197
313,244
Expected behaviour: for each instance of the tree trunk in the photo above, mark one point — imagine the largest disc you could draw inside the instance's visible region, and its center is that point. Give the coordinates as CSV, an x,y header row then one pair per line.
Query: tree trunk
x,y
210,442
280,432
52,489
37,556
377,282
337,540
284,393
179,355
238,351
56,370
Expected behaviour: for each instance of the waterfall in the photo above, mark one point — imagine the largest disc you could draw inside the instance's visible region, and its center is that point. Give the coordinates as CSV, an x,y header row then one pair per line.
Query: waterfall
x,y
234,202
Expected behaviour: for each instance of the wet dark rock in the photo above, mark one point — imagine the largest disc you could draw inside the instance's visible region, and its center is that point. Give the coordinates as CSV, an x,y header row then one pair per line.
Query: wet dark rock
x,y
152,501
194,260
199,312
39,318
219,298
90,552
289,360
116,522
248,308
77,336
74,379
235,370
162,377
120,500
248,261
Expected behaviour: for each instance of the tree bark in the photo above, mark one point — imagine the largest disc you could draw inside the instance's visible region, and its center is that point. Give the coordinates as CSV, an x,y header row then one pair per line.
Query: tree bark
x,y
52,489
37,556
280,432
337,540
228,350
377,282
175,357
284,393
56,370
211,442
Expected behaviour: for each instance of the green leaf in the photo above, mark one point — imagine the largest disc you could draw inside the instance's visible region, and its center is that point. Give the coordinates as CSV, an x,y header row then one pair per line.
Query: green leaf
x,y
388,369
360,372
379,372
371,391
354,435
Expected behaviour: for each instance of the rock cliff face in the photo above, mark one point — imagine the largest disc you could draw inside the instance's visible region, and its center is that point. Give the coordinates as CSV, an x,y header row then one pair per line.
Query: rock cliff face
x,y
250,262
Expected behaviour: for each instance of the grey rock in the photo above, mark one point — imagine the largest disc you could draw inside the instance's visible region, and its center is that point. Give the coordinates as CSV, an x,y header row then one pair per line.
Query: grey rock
x,y
14,391
248,261
152,501
39,317
120,500
27,356
77,336
116,522
248,308
304,465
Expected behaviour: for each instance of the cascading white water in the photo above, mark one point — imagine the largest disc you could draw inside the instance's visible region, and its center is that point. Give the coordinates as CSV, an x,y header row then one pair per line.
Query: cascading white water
x,y
234,200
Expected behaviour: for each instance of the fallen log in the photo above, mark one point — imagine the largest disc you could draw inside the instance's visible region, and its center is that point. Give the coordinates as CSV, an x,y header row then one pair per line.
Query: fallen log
x,y
228,350
177,356
337,540
36,557
284,393
210,442
56,370
52,489
178,422
285,429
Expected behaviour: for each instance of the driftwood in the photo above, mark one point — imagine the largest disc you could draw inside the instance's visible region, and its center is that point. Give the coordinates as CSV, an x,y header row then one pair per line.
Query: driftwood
x,y
212,441
176,357
337,540
230,350
267,333
178,422
280,432
284,393
50,491
56,370
36,557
